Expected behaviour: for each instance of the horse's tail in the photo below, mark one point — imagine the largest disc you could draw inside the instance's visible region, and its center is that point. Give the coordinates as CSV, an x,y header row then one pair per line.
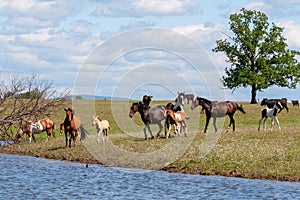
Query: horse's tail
x,y
240,108
83,133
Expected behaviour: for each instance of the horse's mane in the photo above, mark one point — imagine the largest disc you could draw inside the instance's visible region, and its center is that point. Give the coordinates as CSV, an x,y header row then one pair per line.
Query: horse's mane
x,y
205,100
99,118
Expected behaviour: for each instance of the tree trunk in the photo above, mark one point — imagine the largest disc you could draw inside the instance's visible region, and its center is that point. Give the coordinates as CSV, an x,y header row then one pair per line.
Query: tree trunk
x,y
253,94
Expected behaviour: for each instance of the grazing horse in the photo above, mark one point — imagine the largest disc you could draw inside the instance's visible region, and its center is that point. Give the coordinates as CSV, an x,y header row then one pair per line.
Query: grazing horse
x,y
270,112
31,128
189,97
271,102
73,126
295,103
102,126
149,115
216,109
178,119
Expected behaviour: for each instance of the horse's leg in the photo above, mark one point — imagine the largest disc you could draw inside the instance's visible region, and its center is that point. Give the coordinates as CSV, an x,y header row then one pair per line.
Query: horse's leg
x,y
276,118
207,121
214,122
33,137
98,135
185,128
160,129
265,123
148,126
145,134
272,123
231,122
259,123
66,135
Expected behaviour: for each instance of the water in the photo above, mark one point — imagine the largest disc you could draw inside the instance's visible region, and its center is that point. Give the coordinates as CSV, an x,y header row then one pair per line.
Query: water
x,y
23,177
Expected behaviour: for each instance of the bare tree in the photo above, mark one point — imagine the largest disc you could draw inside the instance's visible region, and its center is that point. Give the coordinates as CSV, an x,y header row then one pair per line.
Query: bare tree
x,y
26,98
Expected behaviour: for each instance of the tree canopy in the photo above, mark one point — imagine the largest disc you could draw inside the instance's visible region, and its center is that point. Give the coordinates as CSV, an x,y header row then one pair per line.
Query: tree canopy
x,y
258,54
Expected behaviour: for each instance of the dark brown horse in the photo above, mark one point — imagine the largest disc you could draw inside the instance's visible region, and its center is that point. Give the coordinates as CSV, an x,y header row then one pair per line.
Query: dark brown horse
x,y
73,126
216,109
31,128
149,115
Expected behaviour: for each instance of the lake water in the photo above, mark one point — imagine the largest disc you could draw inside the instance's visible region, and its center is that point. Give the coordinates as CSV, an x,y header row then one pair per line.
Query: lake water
x,y
23,177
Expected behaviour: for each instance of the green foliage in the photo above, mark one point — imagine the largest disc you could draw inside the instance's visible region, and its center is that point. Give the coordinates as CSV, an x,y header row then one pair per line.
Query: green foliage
x,y
258,54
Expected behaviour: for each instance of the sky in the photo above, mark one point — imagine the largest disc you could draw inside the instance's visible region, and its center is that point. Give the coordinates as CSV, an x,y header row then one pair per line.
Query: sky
x,y
133,47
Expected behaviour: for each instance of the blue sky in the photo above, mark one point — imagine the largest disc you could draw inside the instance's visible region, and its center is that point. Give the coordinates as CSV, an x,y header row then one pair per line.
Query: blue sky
x,y
56,40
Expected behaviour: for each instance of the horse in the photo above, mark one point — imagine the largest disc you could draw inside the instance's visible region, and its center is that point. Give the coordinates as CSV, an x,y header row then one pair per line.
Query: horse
x,y
189,97
270,112
178,119
271,102
146,100
31,128
295,103
149,115
73,126
102,126
216,109
179,102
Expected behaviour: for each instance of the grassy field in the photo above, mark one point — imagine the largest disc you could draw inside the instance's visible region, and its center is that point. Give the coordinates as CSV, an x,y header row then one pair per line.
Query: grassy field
x,y
244,153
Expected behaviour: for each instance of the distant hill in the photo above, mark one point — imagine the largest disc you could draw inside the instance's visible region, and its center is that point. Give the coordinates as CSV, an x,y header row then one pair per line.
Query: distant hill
x,y
92,97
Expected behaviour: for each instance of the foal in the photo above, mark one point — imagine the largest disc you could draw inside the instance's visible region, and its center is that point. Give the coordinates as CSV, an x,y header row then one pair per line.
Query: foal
x,y
178,119
270,112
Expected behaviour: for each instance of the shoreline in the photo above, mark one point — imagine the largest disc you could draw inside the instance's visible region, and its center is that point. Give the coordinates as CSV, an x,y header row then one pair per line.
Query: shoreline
x,y
80,154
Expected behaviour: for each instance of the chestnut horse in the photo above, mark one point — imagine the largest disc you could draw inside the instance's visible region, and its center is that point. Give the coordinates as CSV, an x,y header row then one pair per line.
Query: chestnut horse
x,y
178,119
31,128
216,109
73,126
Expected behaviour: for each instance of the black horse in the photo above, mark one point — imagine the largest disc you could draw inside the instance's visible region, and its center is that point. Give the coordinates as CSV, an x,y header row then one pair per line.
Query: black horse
x,y
149,115
216,109
271,102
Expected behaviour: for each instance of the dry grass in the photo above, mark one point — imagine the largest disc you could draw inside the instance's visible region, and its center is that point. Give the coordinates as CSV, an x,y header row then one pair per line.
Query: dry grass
x,y
243,153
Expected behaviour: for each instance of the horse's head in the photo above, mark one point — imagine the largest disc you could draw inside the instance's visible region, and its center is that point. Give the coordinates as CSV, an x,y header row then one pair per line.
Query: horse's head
x,y
180,98
195,103
69,113
134,108
147,99
263,102
61,128
96,119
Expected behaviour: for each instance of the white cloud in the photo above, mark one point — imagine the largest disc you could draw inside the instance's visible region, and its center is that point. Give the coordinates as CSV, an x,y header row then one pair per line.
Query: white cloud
x,y
291,33
166,7
141,8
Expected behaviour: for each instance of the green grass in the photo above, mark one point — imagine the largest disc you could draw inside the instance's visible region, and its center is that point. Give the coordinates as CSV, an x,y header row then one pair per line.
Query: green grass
x,y
244,153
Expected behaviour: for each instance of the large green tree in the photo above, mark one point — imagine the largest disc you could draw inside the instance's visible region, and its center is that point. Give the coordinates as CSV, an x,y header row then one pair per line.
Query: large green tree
x,y
258,54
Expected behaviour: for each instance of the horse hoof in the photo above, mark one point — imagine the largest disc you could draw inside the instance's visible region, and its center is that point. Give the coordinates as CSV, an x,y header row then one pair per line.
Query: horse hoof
x,y
152,137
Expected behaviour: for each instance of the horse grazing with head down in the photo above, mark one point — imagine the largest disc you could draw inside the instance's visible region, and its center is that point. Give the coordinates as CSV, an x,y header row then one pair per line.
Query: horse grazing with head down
x,y
216,109
189,97
270,112
73,126
149,115
31,128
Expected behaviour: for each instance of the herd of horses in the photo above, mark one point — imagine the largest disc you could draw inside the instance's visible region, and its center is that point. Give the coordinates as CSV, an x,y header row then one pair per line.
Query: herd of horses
x,y
172,115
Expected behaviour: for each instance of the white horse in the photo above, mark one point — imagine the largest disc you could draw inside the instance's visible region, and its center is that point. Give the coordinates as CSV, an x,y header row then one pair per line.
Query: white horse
x,y
270,112
102,126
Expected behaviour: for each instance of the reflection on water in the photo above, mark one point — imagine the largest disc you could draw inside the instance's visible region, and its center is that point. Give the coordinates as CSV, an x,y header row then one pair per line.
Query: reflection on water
x,y
25,177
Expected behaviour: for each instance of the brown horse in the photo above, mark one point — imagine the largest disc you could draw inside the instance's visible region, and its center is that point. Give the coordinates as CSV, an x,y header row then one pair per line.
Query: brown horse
x,y
31,128
73,126
216,109
189,97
